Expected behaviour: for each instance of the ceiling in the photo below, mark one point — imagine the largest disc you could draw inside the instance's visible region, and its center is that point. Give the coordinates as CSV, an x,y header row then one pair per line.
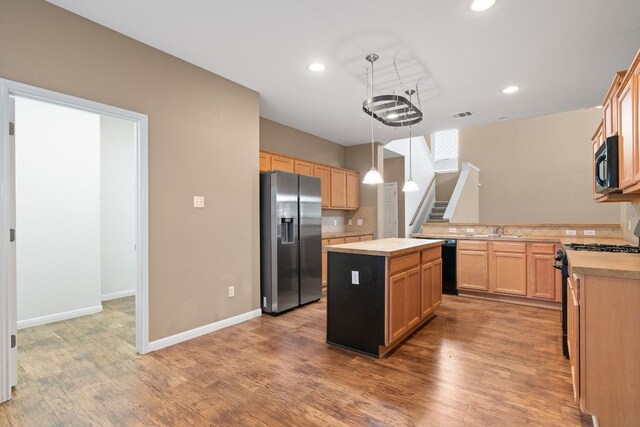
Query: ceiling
x,y
562,54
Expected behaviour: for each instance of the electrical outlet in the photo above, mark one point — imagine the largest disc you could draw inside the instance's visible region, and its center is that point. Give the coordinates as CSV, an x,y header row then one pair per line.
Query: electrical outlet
x,y
471,230
350,222
570,232
335,222
232,291
198,201
452,229
355,277
589,232
359,222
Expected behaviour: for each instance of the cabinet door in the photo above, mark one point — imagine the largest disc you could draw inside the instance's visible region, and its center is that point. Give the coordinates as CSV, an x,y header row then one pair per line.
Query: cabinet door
x,y
431,289
597,140
366,237
324,264
323,172
573,335
281,163
636,136
303,168
509,273
412,297
625,137
472,270
436,284
338,189
397,316
353,190
352,239
541,276
265,162
609,117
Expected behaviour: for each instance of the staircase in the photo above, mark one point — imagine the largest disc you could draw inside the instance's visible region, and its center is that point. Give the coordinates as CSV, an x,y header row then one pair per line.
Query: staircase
x,y
437,212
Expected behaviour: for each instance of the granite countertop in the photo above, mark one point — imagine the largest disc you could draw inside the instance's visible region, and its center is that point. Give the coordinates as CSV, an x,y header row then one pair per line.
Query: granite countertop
x,y
338,234
626,266
564,240
385,247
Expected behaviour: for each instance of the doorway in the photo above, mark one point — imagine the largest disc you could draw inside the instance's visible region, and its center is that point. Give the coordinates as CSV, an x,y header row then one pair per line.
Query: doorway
x,y
9,91
390,209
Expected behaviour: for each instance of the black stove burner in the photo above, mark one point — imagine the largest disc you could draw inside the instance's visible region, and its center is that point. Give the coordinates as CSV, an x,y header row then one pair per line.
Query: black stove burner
x,y
595,247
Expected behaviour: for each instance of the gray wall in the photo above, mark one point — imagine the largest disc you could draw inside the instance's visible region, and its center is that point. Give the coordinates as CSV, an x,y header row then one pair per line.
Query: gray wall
x,y
537,170
203,132
358,158
283,139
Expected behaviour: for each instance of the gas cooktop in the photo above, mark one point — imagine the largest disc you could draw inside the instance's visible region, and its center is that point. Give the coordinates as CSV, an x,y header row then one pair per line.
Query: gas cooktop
x,y
595,247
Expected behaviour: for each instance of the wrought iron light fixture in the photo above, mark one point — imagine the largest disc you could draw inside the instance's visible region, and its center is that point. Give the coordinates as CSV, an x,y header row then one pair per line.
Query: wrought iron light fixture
x,y
373,176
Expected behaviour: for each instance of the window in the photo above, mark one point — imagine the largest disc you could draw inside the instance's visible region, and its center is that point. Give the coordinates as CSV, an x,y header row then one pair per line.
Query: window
x,y
445,150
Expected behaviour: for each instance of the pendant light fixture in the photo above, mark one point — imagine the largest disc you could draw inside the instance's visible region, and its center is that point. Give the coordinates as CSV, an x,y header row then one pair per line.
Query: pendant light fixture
x,y
373,176
410,185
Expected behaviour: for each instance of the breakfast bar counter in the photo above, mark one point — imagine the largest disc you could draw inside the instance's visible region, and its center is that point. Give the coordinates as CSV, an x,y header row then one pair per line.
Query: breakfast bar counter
x,y
381,291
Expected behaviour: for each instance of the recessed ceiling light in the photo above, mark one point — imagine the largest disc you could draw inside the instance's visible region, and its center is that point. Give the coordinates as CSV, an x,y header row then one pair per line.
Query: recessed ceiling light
x,y
480,5
317,67
510,89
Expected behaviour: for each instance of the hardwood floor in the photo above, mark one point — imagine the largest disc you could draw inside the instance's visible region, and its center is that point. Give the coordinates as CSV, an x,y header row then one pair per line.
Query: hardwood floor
x,y
478,363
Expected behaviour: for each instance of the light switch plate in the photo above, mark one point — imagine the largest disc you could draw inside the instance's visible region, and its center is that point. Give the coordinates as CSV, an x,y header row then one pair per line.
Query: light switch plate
x,y
350,221
589,232
232,291
570,232
359,221
452,229
355,277
198,201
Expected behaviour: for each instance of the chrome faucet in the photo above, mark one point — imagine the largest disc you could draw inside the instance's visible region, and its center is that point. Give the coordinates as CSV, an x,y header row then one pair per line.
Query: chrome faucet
x,y
498,230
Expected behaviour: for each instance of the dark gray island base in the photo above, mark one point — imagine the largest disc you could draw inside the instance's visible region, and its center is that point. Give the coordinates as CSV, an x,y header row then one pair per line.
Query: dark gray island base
x,y
379,292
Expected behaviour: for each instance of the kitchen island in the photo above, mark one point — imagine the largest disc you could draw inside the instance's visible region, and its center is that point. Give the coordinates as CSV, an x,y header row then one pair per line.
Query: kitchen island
x,y
381,291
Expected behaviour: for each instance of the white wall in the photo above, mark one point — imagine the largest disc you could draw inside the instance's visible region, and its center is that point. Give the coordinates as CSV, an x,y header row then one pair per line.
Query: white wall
x,y
57,210
117,207
423,171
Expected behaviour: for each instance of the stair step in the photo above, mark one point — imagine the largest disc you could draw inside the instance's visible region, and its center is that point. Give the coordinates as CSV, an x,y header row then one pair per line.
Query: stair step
x,y
436,216
438,220
439,209
442,203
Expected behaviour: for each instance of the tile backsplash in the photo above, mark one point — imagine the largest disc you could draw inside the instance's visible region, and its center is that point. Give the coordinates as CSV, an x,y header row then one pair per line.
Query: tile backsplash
x,y
362,220
629,217
333,221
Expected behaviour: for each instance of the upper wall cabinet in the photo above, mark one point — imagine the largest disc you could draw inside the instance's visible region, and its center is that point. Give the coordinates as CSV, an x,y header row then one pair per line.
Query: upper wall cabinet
x,y
621,116
340,188
628,130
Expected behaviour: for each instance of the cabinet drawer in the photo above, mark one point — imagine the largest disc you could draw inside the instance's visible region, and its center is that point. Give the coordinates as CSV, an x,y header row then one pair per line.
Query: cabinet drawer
x,y
337,241
472,245
509,247
352,239
431,254
543,248
403,262
366,237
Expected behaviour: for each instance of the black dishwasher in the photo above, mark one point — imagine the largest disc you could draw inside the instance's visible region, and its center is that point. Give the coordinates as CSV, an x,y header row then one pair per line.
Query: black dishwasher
x,y
449,285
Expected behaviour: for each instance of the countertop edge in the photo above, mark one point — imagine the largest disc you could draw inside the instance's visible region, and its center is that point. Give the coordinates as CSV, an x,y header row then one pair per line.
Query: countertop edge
x,y
386,253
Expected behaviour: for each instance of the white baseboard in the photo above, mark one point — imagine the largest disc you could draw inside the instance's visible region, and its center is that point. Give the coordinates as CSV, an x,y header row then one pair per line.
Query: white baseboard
x,y
202,330
116,295
58,317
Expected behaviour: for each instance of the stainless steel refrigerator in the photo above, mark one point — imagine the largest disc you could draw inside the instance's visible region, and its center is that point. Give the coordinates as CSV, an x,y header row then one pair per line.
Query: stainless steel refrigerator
x,y
290,240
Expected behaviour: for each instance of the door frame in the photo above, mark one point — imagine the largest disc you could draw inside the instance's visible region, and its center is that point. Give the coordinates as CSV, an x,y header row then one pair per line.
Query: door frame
x,y
393,185
10,88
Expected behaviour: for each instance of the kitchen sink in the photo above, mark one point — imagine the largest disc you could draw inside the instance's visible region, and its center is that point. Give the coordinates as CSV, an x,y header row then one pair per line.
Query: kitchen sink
x,y
495,236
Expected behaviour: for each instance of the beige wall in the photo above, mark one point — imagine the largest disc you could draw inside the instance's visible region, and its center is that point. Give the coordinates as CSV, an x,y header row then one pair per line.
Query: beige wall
x,y
537,170
629,217
394,171
283,139
358,158
203,132
468,202
445,183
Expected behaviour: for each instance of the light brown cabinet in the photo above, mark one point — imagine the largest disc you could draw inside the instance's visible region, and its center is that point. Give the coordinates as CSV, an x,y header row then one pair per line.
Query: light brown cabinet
x,y
338,188
404,302
508,268
324,173
543,281
636,117
596,142
473,265
265,162
281,163
625,137
303,168
431,284
353,190
573,334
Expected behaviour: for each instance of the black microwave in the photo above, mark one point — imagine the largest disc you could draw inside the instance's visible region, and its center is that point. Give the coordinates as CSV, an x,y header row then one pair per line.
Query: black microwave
x,y
606,166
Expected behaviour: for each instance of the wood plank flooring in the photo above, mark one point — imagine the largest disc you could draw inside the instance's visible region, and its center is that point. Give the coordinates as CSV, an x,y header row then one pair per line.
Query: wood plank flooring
x,y
478,363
